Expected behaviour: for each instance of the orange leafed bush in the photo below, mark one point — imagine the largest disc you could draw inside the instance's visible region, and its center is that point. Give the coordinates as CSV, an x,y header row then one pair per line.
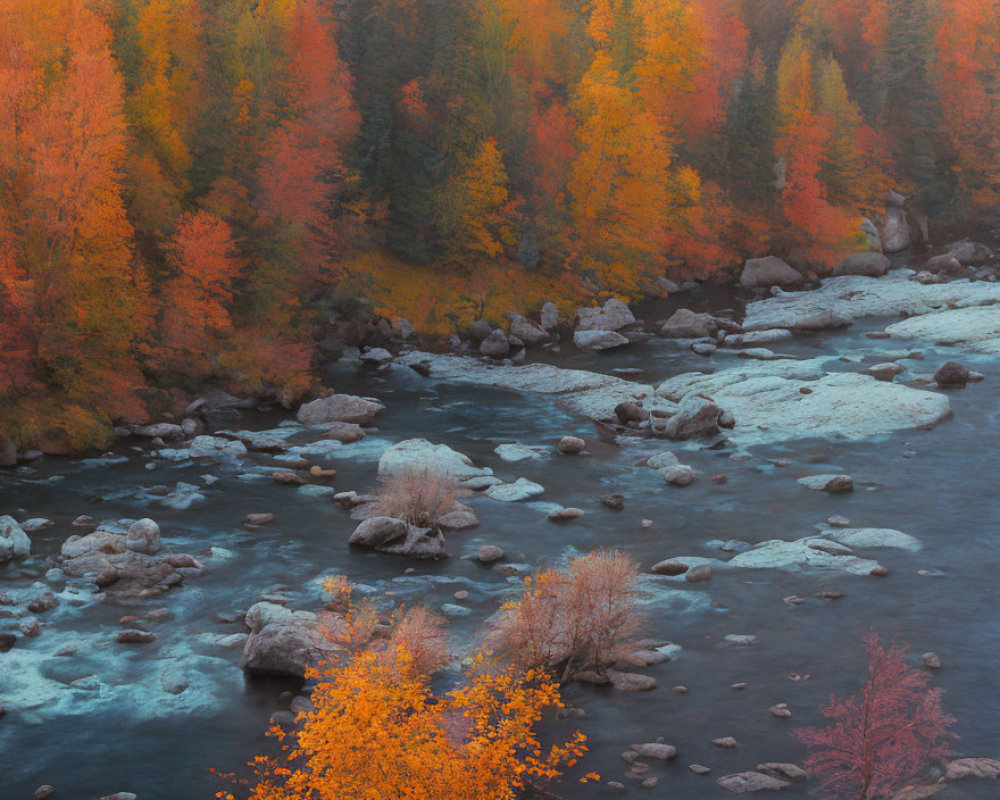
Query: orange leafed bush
x,y
578,619
419,498
378,732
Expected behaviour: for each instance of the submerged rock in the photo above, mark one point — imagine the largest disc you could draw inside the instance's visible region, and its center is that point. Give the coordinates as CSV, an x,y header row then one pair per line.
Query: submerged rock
x,y
834,484
686,324
742,782
521,489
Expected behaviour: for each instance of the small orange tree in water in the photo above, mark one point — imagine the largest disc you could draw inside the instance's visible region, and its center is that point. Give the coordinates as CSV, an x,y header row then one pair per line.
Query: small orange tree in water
x,y
377,731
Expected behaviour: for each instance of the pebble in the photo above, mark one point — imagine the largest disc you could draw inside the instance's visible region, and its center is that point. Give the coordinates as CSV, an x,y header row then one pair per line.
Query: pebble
x,y
44,791
932,661
829,595
741,639
698,769
461,594
258,519
565,514
738,687
159,615
679,689
838,521
725,742
650,782
879,571
719,479
615,502
781,711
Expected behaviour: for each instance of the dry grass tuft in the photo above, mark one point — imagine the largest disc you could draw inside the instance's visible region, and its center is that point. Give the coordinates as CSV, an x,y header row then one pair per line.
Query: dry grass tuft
x,y
419,498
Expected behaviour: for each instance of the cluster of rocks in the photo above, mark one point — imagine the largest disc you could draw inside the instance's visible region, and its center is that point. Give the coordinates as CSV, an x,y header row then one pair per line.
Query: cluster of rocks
x,y
126,561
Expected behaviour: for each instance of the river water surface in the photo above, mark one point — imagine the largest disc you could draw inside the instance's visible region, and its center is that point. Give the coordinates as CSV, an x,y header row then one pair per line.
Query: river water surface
x,y
98,721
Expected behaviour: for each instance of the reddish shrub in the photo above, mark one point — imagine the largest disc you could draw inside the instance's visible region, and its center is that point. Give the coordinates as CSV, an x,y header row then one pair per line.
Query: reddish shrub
x,y
883,736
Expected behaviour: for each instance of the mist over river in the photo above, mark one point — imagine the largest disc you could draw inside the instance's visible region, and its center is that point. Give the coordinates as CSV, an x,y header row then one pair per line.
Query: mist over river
x,y
91,716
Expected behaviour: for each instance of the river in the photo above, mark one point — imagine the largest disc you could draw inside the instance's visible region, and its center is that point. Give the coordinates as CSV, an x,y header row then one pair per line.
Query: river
x,y
98,722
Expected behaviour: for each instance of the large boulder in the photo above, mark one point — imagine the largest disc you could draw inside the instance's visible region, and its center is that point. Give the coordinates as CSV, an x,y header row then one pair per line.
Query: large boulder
x,y
613,317
419,455
598,340
696,416
686,324
14,542
763,273
526,330
339,408
286,643
873,265
895,230
143,536
390,535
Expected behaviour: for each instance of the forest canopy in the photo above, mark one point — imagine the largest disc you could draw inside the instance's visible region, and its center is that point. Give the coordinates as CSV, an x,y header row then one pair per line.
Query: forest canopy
x,y
190,190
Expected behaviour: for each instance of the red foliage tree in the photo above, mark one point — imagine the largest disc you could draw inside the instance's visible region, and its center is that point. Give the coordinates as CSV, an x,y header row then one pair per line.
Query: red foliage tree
x,y
882,736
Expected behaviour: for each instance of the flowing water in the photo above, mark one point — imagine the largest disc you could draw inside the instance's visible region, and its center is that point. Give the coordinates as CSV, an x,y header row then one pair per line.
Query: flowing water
x,y
98,721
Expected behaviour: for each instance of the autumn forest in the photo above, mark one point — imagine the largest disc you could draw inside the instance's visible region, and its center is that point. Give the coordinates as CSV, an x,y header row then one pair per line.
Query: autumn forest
x,y
192,190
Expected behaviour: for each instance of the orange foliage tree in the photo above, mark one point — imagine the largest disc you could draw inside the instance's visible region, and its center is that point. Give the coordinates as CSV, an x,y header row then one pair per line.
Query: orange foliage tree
x,y
377,731
196,313
68,253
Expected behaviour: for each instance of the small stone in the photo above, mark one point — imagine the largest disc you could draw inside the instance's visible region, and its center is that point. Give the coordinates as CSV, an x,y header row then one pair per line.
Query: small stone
x,y
750,782
657,750
781,711
44,791
951,375
159,615
879,571
30,627
571,445
615,502
975,377
932,661
700,574
461,594
565,513
698,769
838,521
258,519
679,689
830,595
725,742
679,476
318,472
741,639
615,785
650,782
719,479
133,636
738,687
489,553
83,521
121,796
288,478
